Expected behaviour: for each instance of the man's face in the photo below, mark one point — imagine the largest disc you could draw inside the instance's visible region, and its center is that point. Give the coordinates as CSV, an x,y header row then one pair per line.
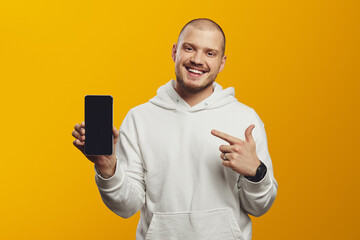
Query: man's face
x,y
198,58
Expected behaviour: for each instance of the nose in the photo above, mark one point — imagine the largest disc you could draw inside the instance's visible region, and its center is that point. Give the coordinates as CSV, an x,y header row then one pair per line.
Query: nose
x,y
197,59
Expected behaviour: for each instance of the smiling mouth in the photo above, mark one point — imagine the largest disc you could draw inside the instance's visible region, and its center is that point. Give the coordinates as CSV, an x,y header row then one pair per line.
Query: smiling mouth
x,y
195,71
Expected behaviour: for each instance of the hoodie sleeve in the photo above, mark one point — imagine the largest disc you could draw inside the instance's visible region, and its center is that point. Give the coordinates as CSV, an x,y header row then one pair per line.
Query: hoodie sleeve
x,y
124,192
256,198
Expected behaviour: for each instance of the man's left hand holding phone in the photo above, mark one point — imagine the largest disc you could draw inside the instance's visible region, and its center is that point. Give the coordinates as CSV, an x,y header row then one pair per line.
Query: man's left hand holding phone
x,y
101,135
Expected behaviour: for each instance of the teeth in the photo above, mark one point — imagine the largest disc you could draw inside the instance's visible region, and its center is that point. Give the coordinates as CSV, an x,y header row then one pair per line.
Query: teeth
x,y
195,71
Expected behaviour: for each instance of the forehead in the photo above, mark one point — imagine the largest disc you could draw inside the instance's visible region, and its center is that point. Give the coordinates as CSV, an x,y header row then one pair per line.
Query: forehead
x,y
212,39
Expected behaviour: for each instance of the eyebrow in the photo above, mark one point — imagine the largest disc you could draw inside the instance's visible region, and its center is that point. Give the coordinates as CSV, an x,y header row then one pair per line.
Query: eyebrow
x,y
194,45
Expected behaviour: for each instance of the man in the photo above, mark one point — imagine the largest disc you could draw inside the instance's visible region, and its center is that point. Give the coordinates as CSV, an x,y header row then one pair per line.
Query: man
x,y
166,161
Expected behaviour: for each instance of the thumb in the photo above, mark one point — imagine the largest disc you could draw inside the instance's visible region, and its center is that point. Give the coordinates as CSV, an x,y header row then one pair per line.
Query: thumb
x,y
248,133
116,134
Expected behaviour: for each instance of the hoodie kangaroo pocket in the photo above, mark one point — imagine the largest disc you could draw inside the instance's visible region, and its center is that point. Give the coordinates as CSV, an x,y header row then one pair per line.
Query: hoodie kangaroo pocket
x,y
210,225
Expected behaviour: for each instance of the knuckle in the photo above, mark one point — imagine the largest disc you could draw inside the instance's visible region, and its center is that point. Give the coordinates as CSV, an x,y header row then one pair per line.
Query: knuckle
x,y
237,148
231,164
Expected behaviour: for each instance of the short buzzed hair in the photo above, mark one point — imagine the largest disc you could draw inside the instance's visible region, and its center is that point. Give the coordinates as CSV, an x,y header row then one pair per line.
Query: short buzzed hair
x,y
205,24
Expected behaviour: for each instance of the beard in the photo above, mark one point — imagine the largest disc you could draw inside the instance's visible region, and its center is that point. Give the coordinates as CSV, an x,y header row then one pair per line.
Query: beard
x,y
191,89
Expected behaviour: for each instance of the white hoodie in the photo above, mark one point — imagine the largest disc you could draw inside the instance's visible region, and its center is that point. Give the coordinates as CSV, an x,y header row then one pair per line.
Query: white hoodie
x,y
169,167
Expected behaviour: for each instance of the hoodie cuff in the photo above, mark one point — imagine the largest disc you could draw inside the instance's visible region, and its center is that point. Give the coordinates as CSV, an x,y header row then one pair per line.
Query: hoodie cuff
x,y
255,187
115,181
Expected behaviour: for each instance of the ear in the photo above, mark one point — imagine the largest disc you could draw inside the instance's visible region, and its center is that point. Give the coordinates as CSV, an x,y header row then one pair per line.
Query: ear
x,y
222,65
173,52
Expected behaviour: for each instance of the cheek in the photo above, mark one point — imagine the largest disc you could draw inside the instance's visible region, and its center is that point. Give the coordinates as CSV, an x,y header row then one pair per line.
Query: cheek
x,y
184,56
216,65
179,59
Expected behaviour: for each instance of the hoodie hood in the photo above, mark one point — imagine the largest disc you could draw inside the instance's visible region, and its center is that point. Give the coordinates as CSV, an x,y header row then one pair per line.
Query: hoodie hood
x,y
168,98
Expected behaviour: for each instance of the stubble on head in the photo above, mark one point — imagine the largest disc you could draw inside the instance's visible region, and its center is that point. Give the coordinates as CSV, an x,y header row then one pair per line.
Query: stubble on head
x,y
203,24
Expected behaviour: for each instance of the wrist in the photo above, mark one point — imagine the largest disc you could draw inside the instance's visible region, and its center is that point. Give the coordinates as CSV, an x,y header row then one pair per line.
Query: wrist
x,y
259,173
255,168
106,171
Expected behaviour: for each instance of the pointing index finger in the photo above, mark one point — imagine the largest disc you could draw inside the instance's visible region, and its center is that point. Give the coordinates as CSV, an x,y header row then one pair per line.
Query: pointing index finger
x,y
226,137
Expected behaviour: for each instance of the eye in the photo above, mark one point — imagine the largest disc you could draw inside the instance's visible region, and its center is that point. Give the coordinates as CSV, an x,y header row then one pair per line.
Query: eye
x,y
211,54
188,49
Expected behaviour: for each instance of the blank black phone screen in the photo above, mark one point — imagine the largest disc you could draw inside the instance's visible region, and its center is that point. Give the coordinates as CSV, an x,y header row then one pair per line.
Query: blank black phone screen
x,y
98,124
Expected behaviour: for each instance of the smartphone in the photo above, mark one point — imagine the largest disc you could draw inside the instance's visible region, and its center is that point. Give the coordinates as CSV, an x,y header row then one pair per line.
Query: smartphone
x,y
98,124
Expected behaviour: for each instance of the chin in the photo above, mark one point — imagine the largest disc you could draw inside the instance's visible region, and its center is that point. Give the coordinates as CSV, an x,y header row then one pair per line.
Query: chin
x,y
194,86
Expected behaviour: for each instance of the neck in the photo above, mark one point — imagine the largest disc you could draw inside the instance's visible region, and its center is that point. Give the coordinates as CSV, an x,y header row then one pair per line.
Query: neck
x,y
193,98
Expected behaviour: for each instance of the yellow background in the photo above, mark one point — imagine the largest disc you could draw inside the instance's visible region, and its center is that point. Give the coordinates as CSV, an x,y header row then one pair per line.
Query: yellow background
x,y
295,62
